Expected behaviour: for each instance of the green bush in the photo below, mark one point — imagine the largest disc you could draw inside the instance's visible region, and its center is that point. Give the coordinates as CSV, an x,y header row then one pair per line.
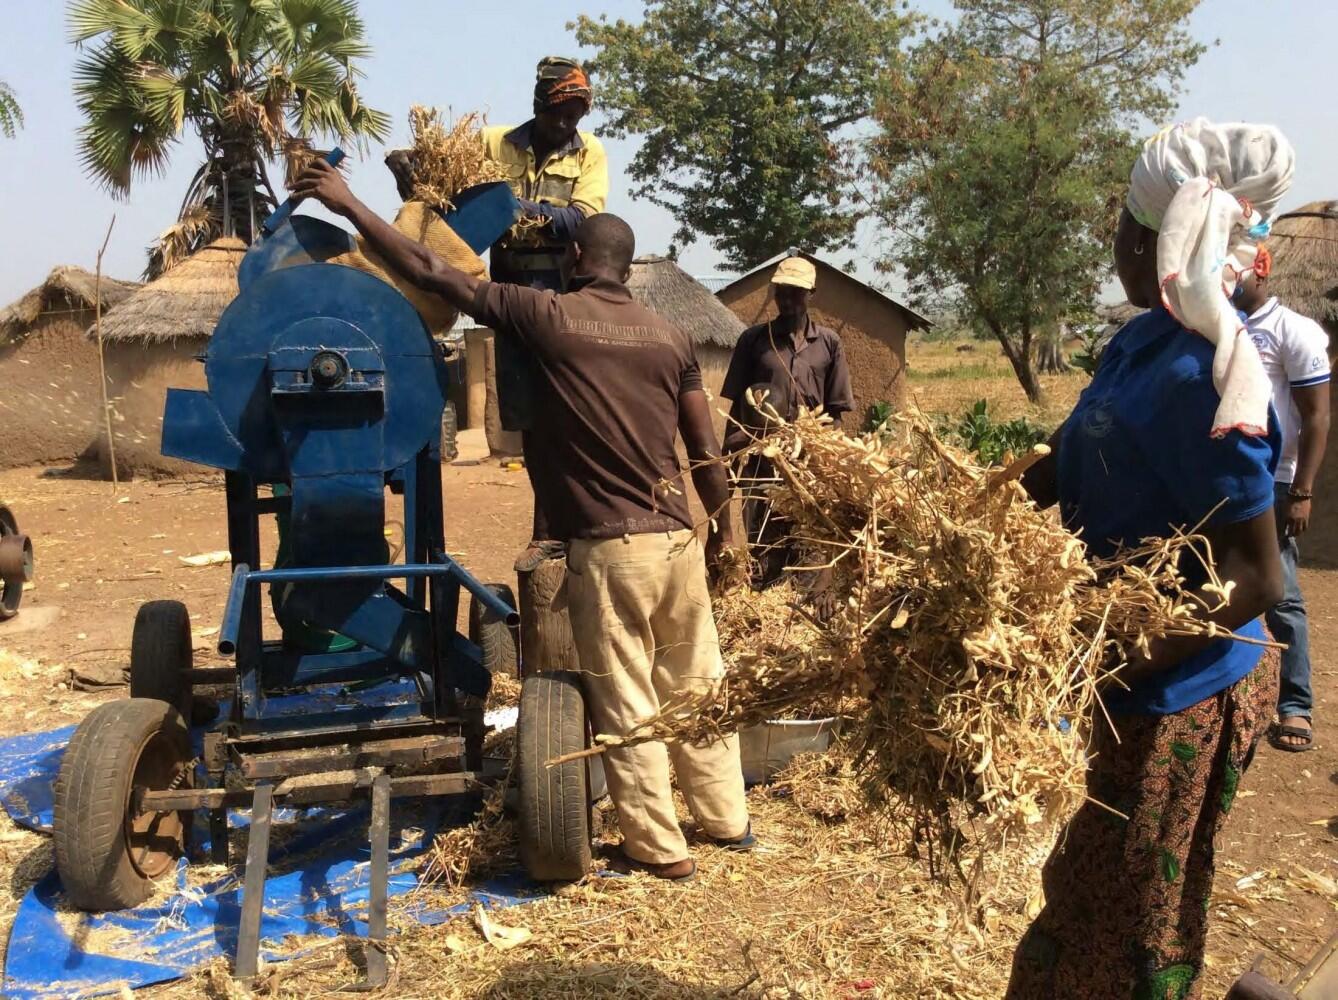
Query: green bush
x,y
991,439
879,414
1089,357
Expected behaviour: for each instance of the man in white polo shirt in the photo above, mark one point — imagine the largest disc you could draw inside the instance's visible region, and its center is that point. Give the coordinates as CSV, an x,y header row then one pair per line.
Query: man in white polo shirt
x,y
1295,352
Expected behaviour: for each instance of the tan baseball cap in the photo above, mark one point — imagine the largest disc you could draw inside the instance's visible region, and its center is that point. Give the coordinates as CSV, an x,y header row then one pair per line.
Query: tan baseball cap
x,y
795,271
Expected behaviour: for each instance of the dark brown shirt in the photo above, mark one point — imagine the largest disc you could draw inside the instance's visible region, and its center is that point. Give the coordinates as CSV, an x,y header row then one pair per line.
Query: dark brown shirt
x,y
815,374
612,373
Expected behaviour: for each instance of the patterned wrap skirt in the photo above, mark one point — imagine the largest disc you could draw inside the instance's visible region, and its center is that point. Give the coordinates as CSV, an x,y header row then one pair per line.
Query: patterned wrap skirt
x,y
1126,900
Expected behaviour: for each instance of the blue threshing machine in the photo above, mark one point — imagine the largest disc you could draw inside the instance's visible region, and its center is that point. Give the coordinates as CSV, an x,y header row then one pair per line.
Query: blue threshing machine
x,y
325,391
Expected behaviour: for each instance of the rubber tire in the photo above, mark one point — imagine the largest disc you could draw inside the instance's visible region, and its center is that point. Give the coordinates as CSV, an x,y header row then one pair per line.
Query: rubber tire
x,y
92,794
553,823
491,634
160,652
9,526
450,429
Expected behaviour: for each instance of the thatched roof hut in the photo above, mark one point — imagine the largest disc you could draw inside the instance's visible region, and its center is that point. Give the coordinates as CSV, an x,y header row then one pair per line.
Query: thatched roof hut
x,y
662,286
151,340
1305,278
1305,261
66,290
49,408
186,302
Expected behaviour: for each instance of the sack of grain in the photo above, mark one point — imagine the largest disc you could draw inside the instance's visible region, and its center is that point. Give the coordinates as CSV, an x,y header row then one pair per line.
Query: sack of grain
x,y
424,225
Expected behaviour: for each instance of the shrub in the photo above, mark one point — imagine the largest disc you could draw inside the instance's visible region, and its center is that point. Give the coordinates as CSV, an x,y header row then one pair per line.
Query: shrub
x,y
991,439
879,414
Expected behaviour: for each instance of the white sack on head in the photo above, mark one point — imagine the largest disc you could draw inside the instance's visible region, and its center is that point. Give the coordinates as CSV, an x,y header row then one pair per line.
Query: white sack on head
x,y
1209,191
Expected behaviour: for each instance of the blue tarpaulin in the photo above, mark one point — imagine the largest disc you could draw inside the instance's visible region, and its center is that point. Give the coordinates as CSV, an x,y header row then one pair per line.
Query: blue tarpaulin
x,y
319,863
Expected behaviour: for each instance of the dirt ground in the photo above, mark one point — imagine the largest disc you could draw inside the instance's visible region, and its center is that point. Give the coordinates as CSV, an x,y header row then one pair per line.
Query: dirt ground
x,y
99,555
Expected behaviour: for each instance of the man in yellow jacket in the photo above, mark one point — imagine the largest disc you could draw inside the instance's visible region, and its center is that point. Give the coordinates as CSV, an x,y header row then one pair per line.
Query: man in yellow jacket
x,y
561,176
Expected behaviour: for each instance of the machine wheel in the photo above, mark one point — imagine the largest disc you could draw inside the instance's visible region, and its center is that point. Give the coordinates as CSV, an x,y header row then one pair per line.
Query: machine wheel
x,y
491,634
107,857
450,428
16,564
554,814
160,653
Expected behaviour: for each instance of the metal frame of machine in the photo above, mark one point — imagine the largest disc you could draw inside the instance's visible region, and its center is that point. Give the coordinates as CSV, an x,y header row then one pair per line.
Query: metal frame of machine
x,y
324,384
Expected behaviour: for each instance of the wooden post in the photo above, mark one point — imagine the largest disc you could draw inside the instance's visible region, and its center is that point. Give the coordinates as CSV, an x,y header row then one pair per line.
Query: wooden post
x,y
500,442
102,361
546,641
476,377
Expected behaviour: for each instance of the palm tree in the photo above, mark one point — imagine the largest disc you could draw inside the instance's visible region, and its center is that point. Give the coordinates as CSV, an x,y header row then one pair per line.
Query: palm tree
x,y
255,79
11,115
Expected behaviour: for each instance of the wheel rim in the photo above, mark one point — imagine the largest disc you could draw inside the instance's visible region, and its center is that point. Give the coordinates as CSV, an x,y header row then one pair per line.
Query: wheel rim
x,y
16,565
155,840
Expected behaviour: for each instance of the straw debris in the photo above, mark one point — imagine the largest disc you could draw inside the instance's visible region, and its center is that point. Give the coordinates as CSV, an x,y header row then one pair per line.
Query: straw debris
x,y
820,910
485,844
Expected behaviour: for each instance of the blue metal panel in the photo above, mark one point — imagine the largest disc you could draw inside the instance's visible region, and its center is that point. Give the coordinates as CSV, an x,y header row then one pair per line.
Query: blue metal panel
x,y
323,379
482,214
280,215
374,619
193,431
304,240
295,669
237,361
465,668
354,717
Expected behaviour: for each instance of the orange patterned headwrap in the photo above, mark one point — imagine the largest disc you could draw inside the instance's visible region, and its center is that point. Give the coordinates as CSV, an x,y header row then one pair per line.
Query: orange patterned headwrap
x,y
559,79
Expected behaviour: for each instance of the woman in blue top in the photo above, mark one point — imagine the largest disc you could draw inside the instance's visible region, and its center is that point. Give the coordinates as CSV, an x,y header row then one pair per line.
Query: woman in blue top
x,y
1167,436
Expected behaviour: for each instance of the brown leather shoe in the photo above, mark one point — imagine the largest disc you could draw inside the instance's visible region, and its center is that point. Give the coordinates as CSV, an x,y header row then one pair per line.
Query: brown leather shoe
x,y
672,871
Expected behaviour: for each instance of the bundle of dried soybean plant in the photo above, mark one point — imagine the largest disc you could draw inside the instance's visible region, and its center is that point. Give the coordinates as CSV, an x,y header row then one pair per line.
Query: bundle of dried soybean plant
x,y
448,159
972,628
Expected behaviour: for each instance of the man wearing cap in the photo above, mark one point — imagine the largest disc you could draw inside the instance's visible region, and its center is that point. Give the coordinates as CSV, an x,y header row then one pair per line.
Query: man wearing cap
x,y
789,361
561,177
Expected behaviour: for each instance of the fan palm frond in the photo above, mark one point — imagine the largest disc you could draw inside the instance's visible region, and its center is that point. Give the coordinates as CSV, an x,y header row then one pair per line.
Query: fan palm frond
x,y
197,227
11,115
247,75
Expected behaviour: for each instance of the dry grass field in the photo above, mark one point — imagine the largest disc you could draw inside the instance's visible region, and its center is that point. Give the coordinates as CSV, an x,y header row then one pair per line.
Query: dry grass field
x,y
947,376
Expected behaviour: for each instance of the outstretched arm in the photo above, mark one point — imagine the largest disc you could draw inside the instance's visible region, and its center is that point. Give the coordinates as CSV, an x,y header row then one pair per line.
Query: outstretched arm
x,y
708,474
1312,403
414,262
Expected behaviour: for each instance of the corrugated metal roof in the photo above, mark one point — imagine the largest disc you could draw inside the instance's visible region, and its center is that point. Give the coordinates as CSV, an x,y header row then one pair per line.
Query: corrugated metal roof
x,y
715,282
466,323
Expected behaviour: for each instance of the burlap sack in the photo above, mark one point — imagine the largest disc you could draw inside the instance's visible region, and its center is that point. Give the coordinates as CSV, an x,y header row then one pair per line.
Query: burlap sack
x,y
421,224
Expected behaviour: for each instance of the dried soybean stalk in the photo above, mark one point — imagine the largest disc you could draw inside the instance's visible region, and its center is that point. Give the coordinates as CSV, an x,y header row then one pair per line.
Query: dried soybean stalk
x,y
972,634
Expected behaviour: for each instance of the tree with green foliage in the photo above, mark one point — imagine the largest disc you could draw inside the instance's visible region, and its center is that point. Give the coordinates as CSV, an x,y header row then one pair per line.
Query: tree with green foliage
x,y
749,109
255,79
11,115
1006,144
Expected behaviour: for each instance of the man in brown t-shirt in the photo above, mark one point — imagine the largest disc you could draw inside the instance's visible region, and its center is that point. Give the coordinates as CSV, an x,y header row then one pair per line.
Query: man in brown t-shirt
x,y
618,383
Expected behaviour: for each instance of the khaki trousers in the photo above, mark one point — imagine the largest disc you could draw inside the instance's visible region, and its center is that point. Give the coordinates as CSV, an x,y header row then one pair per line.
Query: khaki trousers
x,y
641,616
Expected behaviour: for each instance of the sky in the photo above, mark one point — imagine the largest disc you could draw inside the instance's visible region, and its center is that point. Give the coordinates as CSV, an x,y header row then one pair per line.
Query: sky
x,y
1271,64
